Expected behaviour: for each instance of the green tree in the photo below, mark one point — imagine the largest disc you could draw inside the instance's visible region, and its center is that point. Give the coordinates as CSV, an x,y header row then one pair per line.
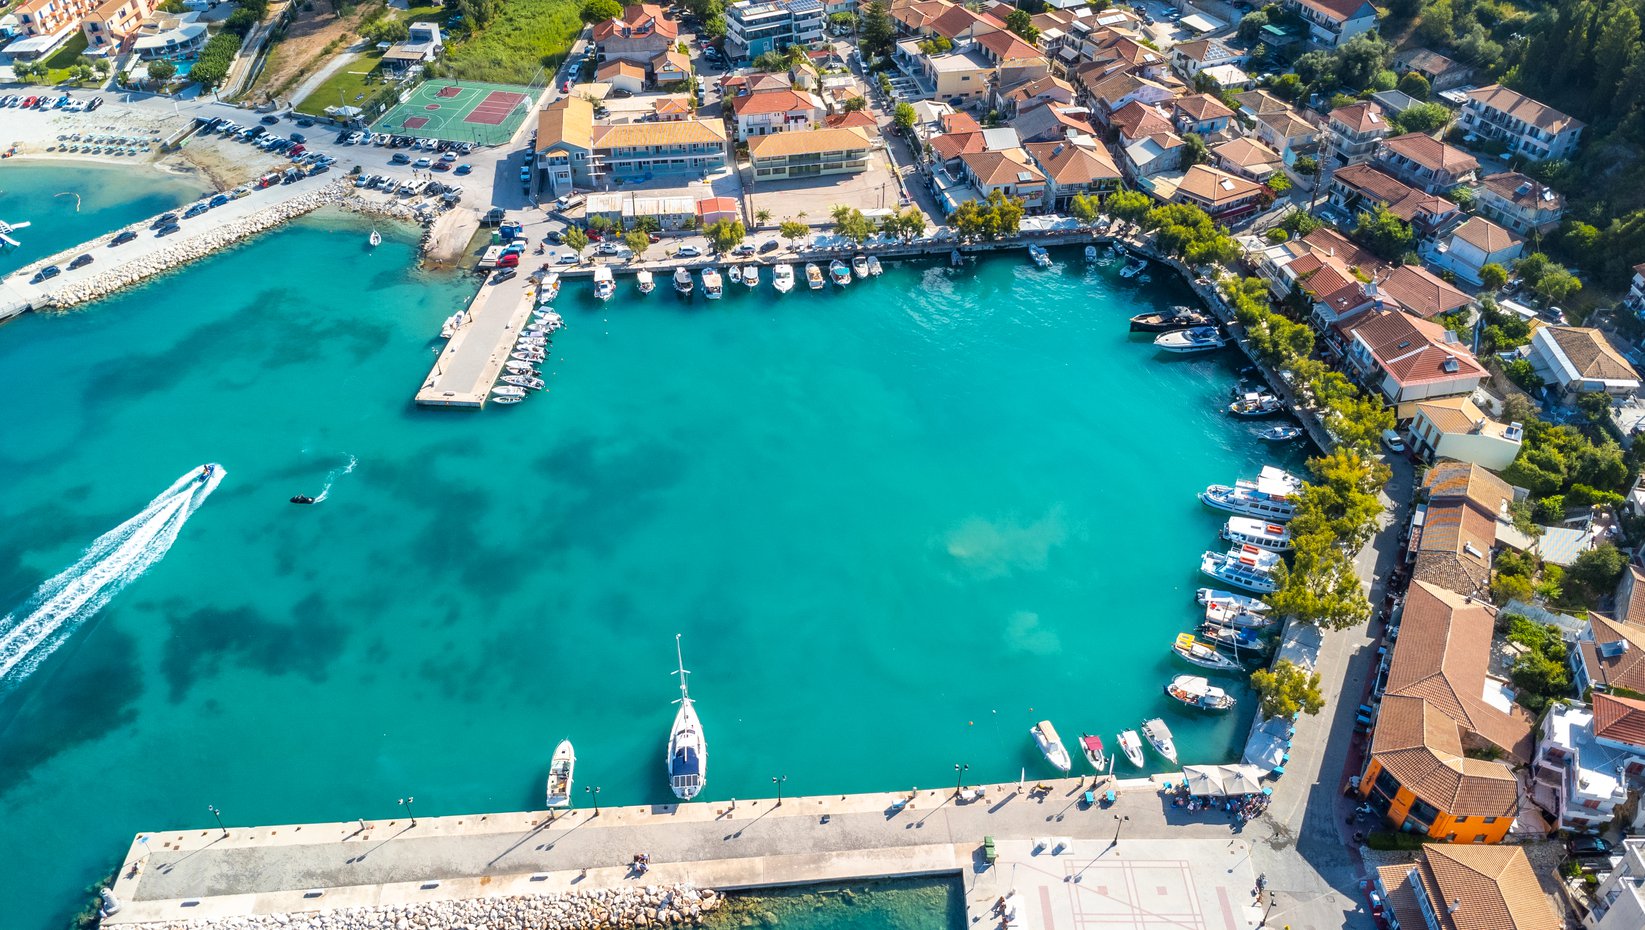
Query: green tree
x,y
856,103
637,243
1492,276
850,223
387,30
601,224
903,116
576,240
793,231
241,21
1250,26
1022,23
845,20
1194,150
160,71
1307,166
726,234
877,34
1593,575
1415,85
1130,206
1084,208
1422,117
1385,234
1557,286
1287,86
1287,689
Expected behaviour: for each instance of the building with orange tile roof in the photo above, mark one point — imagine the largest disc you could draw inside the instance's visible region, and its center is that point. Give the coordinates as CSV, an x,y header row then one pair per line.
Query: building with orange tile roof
x,y
1586,758
1224,196
1527,126
1333,22
640,34
1074,169
1609,654
1359,188
781,110
809,153
1352,133
1405,358
1466,888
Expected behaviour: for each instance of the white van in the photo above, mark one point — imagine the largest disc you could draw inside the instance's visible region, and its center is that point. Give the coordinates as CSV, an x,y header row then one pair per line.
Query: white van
x,y
1392,441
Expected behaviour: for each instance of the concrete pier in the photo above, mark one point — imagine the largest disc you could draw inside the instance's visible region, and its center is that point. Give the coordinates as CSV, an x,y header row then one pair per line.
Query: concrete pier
x,y
473,357
1139,863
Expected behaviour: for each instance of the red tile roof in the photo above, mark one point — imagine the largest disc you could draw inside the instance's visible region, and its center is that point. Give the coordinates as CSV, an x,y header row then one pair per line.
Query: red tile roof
x,y
1364,116
1619,718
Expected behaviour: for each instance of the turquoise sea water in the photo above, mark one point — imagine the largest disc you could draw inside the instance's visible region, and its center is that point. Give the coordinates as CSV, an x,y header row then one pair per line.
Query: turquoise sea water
x,y
896,525
109,197
904,904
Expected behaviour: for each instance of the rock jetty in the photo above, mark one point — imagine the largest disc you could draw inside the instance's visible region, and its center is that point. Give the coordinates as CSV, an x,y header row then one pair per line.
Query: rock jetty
x,y
656,906
182,250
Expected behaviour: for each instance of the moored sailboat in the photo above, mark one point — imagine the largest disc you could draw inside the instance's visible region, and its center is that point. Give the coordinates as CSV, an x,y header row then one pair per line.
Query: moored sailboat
x,y
1194,652
687,757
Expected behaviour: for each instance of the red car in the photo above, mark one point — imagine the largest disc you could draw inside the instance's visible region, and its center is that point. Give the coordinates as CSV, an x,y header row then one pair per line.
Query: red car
x,y
28,102
296,150
508,260
594,235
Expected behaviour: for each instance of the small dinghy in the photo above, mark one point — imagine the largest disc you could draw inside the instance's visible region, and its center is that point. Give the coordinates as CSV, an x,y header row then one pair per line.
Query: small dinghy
x,y
505,399
560,771
376,238
1090,253
1280,433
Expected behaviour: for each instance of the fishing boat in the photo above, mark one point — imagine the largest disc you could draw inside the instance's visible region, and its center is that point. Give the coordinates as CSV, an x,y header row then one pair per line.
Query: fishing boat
x,y
452,324
1254,404
1159,737
1133,267
682,281
644,281
1090,253
1038,255
1196,692
1165,321
604,285
1230,637
1245,567
712,287
734,273
813,276
1280,433
1269,497
782,278
1211,597
751,276
955,259
1249,531
1227,615
839,273
1092,747
687,750
859,266
560,770
875,269
508,390
1194,652
550,288
1131,745
1045,736
1194,339
376,238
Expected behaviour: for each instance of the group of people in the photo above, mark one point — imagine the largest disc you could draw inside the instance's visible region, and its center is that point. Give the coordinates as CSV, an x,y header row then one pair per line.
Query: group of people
x,y
641,862
1241,808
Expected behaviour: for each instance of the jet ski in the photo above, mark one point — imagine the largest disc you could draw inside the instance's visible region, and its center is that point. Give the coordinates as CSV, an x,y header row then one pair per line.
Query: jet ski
x,y
302,499
206,471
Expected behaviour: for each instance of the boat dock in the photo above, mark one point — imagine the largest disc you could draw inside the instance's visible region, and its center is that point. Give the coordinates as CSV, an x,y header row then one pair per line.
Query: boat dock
x,y
473,357
1139,862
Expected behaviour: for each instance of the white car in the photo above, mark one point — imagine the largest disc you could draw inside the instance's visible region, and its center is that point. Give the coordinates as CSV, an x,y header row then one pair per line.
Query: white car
x,y
688,251
1392,440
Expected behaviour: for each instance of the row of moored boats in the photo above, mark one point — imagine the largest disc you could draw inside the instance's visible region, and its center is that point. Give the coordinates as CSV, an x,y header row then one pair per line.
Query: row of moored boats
x,y
522,373
750,275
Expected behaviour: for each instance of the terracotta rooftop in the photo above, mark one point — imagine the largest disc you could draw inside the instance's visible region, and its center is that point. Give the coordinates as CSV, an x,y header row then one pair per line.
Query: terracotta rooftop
x,y
766,102
1135,120
1591,353
1403,200
1523,108
1449,478
1421,292
1619,718
676,132
1001,168
1050,122
1454,548
1431,153
1341,10
1332,244
1212,186
1200,107
1476,887
569,120
1411,350
1615,657
1630,596
1070,164
1364,116
807,142
959,121
1523,191
638,19
1457,415
1485,235
1041,86
1287,125
1261,101
1006,46
1422,748
952,145
1247,153
619,68
853,119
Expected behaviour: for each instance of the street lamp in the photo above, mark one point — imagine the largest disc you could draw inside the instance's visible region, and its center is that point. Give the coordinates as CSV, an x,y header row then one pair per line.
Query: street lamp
x,y
219,815
406,803
595,791
959,777
778,781
1119,824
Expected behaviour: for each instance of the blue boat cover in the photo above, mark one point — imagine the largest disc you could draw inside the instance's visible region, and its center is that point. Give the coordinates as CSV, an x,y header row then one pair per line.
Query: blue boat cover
x,y
684,762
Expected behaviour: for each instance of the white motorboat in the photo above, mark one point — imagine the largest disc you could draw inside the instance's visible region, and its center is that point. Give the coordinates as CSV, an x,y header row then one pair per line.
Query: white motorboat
x,y
1268,498
682,281
560,771
734,274
782,278
1133,267
687,757
1195,339
1227,615
1038,255
813,276
1159,737
451,325
839,272
1045,736
1090,253
376,238
859,266
1131,745
505,400
751,276
1198,693
644,281
1211,597
1280,433
1245,567
604,285
1231,638
508,390
1091,746
1264,534
874,267
525,381
550,288
520,368
712,287
1204,655
1254,404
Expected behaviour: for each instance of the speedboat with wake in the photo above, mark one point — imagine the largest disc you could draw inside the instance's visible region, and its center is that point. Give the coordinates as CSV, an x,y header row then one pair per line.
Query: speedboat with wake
x,y
206,471
1046,738
1159,736
560,770
687,750
1131,745
302,499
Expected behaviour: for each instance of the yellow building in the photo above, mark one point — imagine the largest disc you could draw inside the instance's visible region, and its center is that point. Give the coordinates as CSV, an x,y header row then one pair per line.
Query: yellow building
x,y
804,153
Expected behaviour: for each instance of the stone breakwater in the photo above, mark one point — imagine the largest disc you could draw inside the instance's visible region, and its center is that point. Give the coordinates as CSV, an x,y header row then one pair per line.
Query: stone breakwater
x,y
615,909
180,251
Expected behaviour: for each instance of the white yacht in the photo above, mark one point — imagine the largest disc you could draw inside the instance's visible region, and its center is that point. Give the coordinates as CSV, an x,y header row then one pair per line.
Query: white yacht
x,y
875,269
682,281
1196,339
687,750
604,285
712,287
560,770
782,278
1045,736
751,275
645,282
1131,745
1159,736
550,288
859,266
1268,498
1197,692
1249,531
1245,567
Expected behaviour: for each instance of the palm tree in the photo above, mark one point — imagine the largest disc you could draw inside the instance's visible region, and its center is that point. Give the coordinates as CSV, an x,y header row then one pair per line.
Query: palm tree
x,y
762,216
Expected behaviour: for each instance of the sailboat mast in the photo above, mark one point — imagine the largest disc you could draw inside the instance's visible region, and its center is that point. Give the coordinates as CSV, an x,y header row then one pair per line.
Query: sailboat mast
x,y
680,656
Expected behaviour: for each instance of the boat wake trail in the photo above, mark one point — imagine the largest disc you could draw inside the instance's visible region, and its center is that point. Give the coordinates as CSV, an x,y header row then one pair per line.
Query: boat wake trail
x,y
114,560
333,475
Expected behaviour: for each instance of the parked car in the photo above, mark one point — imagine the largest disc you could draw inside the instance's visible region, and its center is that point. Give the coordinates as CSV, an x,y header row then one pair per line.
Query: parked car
x,y
688,251
747,248
166,230
769,246
400,158
50,271
305,123
219,200
1392,441
568,259
123,238
269,120
421,163
1589,847
195,210
81,261
463,169
164,219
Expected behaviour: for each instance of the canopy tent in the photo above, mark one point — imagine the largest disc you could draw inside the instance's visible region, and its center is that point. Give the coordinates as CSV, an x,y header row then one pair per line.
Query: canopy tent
x,y
1268,744
1203,780
1242,779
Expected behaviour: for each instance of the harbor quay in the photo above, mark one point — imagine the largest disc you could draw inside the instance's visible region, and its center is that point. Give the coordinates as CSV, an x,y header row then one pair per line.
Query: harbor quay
x,y
1057,860
473,357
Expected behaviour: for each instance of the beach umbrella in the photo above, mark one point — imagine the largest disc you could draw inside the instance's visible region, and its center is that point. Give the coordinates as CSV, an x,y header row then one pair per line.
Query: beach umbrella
x,y
1241,779
1203,780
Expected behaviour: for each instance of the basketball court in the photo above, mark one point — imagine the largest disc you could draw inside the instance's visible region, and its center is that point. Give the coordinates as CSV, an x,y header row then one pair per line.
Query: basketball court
x,y
460,111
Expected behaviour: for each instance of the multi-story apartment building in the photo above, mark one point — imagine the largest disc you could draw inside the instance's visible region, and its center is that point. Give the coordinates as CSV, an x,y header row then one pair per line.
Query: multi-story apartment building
x,y
1352,133
1585,758
1519,203
1465,888
1619,901
1333,22
112,22
1425,162
687,146
802,153
642,33
1528,127
754,27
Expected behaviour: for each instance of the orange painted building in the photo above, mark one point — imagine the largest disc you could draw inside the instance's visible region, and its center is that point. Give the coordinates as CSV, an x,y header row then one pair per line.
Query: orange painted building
x,y
1439,705
112,22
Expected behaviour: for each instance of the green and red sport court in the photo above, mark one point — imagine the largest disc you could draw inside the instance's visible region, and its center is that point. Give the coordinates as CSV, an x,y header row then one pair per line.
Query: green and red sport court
x,y
459,111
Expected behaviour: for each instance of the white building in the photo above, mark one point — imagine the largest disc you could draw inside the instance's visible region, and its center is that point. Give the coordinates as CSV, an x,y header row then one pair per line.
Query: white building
x,y
1619,901
1333,22
1579,360
1528,127
754,27
1584,758
1455,428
